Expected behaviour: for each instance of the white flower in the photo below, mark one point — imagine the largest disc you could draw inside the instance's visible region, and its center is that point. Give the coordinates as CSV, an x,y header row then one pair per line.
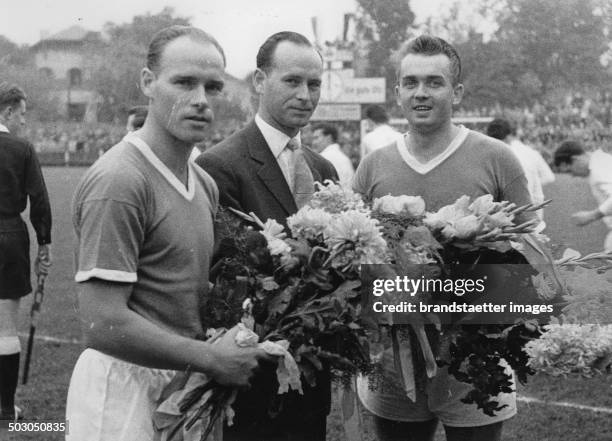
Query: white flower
x,y
448,214
571,348
273,228
413,205
499,219
483,205
355,239
467,227
309,223
334,198
277,246
274,234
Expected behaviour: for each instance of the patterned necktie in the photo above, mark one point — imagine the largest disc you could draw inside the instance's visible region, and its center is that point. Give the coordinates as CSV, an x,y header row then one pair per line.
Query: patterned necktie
x,y
301,176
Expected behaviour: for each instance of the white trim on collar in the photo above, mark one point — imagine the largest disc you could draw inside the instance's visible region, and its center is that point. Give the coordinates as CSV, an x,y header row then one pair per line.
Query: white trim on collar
x,y
4,129
144,148
276,140
424,168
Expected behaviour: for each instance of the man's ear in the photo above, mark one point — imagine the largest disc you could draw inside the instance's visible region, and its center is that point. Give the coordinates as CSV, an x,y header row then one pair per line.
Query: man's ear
x,y
147,77
259,77
6,113
457,94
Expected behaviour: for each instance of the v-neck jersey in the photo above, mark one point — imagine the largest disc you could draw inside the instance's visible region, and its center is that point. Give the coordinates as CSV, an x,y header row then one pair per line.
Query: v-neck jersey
x,y
424,168
154,160
134,225
479,165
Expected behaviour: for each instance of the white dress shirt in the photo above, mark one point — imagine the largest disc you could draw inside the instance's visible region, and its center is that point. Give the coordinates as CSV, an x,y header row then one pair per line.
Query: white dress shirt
x,y
537,171
381,136
277,141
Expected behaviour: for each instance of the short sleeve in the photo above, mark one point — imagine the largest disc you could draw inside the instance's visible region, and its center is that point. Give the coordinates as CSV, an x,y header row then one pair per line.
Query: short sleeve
x,y
110,234
361,183
514,184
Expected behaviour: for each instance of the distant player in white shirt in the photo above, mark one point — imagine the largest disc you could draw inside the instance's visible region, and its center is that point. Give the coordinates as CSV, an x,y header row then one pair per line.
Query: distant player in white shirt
x,y
571,157
325,142
537,171
381,134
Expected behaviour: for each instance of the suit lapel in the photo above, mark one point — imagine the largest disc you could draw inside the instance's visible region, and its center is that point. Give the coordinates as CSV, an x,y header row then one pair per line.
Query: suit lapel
x,y
268,169
310,160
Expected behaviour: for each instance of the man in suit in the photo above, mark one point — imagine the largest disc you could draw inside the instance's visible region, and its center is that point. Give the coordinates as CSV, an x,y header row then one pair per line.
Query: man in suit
x,y
251,167
264,169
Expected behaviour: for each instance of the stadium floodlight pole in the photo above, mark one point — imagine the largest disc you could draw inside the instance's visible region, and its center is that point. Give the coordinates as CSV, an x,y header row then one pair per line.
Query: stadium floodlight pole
x,y
34,314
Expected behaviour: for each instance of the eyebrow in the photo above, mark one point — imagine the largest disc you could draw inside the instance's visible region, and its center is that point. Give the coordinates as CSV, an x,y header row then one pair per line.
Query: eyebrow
x,y
218,83
429,77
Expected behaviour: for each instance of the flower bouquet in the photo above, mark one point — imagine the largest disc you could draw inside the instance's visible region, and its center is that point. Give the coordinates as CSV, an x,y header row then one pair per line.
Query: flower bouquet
x,y
579,340
300,292
453,243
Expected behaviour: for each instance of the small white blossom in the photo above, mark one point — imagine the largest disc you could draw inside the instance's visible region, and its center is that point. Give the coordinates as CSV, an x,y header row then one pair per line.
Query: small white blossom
x,y
412,205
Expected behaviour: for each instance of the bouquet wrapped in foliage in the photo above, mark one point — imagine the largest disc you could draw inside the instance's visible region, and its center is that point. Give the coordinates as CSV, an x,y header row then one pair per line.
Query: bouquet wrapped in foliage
x,y
448,244
306,292
301,292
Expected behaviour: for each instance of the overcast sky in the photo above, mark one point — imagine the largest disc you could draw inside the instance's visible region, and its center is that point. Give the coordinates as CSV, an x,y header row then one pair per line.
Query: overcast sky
x,y
239,25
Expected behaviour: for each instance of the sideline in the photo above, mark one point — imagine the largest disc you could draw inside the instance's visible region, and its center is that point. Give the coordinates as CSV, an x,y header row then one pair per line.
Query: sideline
x,y
531,400
519,398
49,339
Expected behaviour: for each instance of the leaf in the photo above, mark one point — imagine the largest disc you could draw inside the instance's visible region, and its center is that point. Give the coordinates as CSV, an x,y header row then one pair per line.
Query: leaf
x,y
421,237
313,359
570,254
347,290
309,322
309,373
538,255
281,300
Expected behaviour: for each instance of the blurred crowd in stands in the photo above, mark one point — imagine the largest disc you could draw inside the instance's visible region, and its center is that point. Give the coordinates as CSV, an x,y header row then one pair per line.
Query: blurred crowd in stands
x,y
584,118
544,126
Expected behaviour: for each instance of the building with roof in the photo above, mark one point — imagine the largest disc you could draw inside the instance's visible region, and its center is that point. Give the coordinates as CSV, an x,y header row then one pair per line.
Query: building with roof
x,y
63,59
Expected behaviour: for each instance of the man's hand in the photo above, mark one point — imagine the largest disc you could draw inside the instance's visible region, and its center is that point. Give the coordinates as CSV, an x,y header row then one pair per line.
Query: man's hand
x,y
582,218
43,260
233,365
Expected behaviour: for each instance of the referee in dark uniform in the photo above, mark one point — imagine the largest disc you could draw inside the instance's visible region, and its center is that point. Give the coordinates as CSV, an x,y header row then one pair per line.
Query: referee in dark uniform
x,y
20,179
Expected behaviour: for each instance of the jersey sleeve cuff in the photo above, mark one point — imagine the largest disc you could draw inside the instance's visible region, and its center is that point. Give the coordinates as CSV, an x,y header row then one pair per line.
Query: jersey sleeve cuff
x,y
106,274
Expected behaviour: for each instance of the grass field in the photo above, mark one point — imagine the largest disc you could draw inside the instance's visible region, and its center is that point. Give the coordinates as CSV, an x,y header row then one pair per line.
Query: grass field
x,y
43,397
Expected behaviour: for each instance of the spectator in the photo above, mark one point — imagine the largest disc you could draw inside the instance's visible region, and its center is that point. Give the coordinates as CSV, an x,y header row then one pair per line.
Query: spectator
x,y
537,171
381,134
325,142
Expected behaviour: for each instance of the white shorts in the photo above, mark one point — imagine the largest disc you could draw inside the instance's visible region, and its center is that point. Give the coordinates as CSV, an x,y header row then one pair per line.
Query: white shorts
x,y
112,400
441,399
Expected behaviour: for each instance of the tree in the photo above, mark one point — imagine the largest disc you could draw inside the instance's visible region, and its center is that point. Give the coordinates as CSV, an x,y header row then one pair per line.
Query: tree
x,y
384,25
559,42
116,70
17,67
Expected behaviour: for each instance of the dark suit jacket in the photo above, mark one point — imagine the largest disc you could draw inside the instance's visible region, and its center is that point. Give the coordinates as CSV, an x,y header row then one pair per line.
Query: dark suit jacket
x,y
250,179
